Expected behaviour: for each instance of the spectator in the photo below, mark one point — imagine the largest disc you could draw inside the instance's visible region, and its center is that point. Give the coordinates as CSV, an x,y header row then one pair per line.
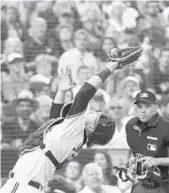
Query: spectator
x,y
12,44
156,38
93,179
91,22
16,79
59,185
130,38
165,14
117,10
61,39
17,131
164,107
152,16
107,44
64,13
65,34
98,102
78,56
73,173
39,86
26,12
167,36
116,110
130,16
10,25
103,159
89,9
84,73
36,43
41,115
158,77
44,65
130,86
146,65
160,74
44,9
115,22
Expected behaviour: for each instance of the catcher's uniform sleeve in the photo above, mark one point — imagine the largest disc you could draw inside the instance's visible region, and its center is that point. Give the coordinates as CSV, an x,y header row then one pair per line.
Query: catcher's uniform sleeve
x,y
55,110
82,99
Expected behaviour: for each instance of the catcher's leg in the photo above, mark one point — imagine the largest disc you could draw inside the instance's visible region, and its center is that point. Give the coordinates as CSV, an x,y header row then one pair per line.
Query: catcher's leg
x,y
12,186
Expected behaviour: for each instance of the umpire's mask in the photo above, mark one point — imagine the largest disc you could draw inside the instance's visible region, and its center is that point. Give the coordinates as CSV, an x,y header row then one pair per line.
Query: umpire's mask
x,y
104,130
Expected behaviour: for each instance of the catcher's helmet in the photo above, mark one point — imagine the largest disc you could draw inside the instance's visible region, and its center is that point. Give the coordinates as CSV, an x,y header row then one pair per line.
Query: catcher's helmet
x,y
103,132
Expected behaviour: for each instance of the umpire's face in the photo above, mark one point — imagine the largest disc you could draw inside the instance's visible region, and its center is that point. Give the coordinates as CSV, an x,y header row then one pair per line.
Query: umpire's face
x,y
145,111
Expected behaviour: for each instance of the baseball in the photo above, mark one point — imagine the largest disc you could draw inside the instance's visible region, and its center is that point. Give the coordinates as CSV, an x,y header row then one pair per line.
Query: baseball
x,y
116,53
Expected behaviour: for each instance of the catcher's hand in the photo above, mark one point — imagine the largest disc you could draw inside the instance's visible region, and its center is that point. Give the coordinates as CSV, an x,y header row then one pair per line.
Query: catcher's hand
x,y
125,56
65,83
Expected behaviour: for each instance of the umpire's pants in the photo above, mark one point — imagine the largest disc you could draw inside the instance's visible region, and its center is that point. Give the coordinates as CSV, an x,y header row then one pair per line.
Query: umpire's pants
x,y
140,188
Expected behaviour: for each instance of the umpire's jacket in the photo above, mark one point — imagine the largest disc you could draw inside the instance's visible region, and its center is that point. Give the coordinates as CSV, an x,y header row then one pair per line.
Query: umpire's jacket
x,y
150,139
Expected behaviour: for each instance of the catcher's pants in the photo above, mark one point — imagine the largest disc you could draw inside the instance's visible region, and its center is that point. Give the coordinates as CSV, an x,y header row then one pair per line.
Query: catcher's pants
x,y
11,186
140,188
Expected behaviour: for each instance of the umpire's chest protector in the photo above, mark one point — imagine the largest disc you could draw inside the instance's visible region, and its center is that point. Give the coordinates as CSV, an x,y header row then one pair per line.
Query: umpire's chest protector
x,y
35,140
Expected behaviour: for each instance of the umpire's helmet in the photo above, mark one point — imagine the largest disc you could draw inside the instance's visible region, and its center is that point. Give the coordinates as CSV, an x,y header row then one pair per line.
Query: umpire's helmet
x,y
103,132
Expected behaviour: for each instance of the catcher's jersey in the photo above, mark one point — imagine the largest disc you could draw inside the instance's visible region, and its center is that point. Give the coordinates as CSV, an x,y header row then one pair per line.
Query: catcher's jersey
x,y
64,140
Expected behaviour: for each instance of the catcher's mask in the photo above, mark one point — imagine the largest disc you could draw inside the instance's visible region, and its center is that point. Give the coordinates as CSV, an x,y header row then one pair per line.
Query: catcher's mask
x,y
103,131
65,109
136,168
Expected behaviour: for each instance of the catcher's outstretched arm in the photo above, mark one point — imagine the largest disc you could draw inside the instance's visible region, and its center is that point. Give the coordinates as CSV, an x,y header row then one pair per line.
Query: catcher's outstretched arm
x,y
89,89
64,85
55,110
57,104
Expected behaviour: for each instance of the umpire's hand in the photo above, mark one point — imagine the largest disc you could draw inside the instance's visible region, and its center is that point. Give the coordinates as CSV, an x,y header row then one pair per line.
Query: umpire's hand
x,y
150,161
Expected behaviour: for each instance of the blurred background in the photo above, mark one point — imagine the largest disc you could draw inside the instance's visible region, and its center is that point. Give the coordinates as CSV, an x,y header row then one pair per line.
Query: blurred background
x,y
39,38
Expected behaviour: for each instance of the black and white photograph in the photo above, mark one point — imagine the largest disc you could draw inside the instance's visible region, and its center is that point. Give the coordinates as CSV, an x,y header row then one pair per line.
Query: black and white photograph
x,y
84,96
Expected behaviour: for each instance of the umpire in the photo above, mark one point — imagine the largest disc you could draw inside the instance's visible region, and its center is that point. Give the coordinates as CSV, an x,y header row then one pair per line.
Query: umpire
x,y
148,136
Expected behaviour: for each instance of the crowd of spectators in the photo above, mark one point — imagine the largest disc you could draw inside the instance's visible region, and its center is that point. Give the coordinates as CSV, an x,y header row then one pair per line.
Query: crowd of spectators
x,y
39,39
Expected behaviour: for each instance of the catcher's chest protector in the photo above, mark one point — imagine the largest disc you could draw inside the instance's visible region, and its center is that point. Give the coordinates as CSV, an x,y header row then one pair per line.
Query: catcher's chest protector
x,y
36,139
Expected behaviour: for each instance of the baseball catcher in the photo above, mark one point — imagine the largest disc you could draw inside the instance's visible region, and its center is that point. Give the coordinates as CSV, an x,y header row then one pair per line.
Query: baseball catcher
x,y
69,128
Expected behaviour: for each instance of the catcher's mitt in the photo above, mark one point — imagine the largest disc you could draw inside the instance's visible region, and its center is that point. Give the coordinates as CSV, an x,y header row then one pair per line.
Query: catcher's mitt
x,y
135,170
125,56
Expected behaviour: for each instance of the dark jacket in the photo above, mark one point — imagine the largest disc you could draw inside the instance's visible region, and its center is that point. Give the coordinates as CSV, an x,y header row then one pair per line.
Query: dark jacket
x,y
11,130
151,139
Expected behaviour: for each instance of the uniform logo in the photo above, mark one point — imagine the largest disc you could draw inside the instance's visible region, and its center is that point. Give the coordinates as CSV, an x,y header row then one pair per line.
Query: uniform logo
x,y
136,127
144,95
151,147
153,138
78,148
